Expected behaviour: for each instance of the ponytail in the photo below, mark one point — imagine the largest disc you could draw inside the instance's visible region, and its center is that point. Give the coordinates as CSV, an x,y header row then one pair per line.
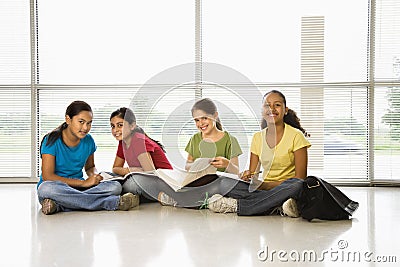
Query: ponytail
x,y
218,124
294,121
54,135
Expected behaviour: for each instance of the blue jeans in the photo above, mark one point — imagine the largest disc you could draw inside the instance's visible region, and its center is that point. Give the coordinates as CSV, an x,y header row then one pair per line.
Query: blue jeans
x,y
102,196
262,202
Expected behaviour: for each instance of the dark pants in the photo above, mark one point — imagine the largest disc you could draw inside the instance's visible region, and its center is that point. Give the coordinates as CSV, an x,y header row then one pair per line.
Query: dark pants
x,y
262,202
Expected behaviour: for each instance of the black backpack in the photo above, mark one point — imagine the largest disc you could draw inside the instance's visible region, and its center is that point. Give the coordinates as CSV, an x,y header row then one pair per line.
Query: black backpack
x,y
322,200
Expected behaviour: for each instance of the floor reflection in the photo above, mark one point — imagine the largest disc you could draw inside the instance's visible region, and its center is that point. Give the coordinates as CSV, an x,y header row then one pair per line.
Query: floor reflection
x,y
152,235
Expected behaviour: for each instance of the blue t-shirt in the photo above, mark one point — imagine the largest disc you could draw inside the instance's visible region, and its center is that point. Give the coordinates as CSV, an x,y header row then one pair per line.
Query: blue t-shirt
x,y
69,161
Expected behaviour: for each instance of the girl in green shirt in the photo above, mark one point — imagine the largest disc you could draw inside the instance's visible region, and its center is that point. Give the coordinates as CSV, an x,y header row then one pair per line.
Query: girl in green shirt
x,y
210,142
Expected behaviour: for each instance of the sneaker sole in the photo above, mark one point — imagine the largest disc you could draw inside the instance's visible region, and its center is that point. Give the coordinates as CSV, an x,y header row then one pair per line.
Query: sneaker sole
x,y
129,201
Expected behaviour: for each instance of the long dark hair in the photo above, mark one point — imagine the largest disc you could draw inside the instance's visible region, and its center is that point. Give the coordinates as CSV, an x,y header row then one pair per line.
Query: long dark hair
x,y
72,110
128,115
208,106
290,118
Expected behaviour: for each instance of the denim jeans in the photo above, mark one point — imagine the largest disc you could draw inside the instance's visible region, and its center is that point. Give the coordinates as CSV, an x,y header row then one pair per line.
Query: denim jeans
x,y
262,202
150,186
131,186
258,202
102,196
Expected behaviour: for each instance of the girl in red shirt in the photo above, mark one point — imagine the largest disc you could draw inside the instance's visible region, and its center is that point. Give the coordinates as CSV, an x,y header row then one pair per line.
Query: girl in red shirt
x,y
140,152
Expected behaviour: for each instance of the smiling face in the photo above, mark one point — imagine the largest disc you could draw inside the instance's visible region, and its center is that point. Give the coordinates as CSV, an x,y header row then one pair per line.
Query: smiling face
x,y
204,122
120,128
274,108
80,124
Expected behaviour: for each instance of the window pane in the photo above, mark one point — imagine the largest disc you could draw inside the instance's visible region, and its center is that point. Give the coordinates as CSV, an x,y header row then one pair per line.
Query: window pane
x,y
263,39
15,42
336,119
53,103
15,132
123,42
387,40
387,133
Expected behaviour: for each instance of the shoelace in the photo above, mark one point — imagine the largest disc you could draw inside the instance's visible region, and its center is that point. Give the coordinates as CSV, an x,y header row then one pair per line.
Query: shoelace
x,y
204,203
277,210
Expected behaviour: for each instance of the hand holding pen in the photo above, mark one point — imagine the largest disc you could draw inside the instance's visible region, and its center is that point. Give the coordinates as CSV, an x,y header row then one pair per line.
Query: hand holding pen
x,y
248,175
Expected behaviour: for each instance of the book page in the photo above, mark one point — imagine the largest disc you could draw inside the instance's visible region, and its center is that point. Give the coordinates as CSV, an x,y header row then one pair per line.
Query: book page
x,y
174,178
109,176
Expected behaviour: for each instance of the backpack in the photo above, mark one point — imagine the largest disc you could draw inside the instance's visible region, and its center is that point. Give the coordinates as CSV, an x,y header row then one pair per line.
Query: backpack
x,y
322,200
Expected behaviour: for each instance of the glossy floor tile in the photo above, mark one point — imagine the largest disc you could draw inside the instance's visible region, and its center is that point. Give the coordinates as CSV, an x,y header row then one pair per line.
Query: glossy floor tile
x,y
152,235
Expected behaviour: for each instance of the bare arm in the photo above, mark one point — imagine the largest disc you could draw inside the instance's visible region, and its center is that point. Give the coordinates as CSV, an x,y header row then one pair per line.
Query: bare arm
x,y
118,166
93,177
90,168
48,173
300,162
254,167
146,162
231,166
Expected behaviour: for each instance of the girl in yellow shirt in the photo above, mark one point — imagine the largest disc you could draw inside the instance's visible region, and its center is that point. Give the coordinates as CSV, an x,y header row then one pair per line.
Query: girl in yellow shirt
x,y
281,149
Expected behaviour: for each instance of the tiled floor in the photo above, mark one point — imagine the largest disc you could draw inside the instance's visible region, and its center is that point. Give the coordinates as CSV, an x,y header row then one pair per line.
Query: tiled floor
x,y
152,235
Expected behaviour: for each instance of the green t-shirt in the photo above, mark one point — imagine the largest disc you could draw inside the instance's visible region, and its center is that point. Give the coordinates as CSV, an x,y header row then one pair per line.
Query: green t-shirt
x,y
227,147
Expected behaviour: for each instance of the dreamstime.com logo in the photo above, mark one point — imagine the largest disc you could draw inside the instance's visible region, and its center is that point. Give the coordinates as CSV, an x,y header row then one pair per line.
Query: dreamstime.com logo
x,y
339,254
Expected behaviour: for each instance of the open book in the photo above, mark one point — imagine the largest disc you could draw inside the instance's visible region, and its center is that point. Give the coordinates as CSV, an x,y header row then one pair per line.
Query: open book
x,y
201,172
110,176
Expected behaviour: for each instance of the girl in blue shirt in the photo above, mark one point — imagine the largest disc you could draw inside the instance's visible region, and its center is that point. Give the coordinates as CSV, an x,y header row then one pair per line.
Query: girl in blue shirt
x,y
65,152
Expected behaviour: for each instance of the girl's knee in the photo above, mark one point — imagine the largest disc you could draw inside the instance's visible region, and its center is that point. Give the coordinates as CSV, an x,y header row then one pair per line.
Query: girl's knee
x,y
130,186
296,184
114,188
292,183
47,189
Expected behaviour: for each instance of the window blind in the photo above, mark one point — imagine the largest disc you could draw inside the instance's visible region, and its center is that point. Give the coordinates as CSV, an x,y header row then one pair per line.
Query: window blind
x,y
315,53
387,97
15,95
15,132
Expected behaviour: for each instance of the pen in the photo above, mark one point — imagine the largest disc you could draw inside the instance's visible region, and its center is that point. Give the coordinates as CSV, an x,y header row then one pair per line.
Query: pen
x,y
252,173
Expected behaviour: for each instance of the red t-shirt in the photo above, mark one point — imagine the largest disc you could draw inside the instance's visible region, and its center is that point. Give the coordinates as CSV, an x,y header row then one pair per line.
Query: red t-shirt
x,y
140,143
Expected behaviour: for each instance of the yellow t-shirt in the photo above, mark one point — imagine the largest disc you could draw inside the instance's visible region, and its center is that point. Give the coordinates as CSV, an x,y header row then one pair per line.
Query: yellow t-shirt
x,y
278,162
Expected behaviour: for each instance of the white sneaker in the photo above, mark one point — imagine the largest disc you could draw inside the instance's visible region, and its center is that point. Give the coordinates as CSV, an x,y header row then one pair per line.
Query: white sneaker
x,y
289,208
218,203
166,200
